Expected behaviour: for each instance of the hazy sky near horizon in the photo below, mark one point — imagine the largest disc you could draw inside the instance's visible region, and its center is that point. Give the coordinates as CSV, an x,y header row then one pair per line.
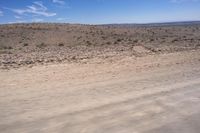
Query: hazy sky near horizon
x,y
98,11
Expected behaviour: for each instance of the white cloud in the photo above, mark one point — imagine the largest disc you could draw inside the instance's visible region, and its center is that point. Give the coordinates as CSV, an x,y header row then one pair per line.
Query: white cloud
x,y
18,21
61,2
1,13
61,19
18,17
37,8
37,20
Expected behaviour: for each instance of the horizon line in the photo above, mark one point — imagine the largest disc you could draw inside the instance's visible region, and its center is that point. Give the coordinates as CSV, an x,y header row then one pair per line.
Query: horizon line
x,y
148,23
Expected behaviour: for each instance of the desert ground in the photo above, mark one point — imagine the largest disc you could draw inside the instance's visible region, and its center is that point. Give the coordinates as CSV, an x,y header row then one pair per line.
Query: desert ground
x,y
58,78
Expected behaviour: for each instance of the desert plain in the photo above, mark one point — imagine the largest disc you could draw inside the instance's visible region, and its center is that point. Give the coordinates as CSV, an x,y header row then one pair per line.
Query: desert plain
x,y
72,78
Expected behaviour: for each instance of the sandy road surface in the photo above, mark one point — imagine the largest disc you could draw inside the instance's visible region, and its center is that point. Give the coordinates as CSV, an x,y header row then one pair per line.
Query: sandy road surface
x,y
153,94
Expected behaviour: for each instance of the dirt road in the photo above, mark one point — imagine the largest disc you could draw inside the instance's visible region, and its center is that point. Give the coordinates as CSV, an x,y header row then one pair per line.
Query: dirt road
x,y
152,94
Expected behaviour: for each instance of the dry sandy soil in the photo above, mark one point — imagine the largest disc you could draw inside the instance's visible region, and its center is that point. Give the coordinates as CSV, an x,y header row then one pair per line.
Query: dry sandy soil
x,y
31,44
137,90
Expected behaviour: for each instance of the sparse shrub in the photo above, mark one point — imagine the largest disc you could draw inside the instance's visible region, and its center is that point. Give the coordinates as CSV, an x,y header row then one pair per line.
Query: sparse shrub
x,y
6,47
162,41
103,37
129,39
9,47
151,40
175,40
73,58
25,44
78,38
198,45
41,45
5,52
88,43
61,44
119,40
115,42
108,43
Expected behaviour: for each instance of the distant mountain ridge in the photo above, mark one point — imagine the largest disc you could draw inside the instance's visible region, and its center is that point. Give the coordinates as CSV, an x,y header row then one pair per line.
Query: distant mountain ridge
x,y
178,23
156,24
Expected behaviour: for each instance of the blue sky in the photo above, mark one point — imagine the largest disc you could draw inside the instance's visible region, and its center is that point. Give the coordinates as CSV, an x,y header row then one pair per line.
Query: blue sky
x,y
98,11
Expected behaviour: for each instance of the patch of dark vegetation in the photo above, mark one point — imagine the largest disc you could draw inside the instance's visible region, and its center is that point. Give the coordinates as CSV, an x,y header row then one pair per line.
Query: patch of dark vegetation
x,y
108,43
5,52
25,44
174,40
88,43
61,44
6,47
115,42
136,41
198,45
119,40
103,37
41,45
78,38
151,40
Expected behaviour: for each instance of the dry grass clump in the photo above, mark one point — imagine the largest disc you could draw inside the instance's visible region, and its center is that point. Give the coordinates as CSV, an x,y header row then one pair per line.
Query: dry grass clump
x,y
60,44
3,47
25,44
41,45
